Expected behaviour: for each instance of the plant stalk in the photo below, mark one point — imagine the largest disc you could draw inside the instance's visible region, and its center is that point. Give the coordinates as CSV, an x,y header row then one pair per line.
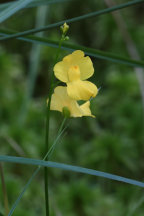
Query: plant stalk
x,y
47,130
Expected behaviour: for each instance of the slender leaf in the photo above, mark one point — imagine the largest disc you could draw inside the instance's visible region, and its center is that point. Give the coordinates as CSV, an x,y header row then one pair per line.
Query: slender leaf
x,y
60,132
85,16
23,191
12,9
29,161
33,4
89,51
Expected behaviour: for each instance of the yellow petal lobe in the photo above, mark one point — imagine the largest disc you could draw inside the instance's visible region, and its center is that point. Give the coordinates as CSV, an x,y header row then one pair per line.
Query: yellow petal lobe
x,y
72,58
60,99
81,90
86,109
86,67
61,71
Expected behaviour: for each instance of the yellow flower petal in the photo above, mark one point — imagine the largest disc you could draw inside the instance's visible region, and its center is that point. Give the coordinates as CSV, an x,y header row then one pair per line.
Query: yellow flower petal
x,y
84,63
86,109
61,71
75,59
60,100
86,67
72,58
73,73
81,90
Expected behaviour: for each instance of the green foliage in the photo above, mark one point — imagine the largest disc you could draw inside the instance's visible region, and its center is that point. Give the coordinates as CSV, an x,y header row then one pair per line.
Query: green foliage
x,y
113,142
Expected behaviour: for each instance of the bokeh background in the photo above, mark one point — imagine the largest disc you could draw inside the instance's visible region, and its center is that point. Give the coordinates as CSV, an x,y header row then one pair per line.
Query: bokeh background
x,y
112,142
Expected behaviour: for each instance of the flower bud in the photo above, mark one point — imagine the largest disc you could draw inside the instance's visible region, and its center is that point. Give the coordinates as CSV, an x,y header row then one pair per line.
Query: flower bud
x,y
66,38
66,112
64,28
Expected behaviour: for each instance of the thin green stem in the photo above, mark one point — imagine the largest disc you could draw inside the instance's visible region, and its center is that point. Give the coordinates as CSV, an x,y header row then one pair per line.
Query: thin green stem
x,y
59,132
70,47
47,131
4,190
85,16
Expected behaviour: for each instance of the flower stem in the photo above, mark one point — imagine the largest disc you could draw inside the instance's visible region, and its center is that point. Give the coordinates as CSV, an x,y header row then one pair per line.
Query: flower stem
x,y
47,131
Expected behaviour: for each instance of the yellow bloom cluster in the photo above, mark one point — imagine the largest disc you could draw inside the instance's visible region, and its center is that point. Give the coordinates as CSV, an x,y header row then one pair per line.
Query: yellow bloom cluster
x,y
73,70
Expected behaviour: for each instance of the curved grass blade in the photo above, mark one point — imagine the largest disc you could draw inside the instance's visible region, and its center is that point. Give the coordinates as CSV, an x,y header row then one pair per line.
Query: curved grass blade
x,y
85,16
23,191
49,153
12,9
34,3
89,51
29,161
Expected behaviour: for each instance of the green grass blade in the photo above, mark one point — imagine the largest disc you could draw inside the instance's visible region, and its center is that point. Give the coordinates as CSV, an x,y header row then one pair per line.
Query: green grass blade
x,y
85,16
60,133
23,191
89,51
12,9
34,3
29,161
104,55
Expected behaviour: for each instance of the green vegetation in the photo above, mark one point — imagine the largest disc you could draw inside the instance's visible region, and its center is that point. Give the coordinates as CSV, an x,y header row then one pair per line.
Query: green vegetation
x,y
112,142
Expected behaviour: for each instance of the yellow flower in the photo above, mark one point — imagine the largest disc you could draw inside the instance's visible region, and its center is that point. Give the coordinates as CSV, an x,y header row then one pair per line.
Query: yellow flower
x,y
73,70
60,100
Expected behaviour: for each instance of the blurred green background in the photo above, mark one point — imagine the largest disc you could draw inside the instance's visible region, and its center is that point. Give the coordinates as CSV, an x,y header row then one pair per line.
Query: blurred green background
x,y
112,142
